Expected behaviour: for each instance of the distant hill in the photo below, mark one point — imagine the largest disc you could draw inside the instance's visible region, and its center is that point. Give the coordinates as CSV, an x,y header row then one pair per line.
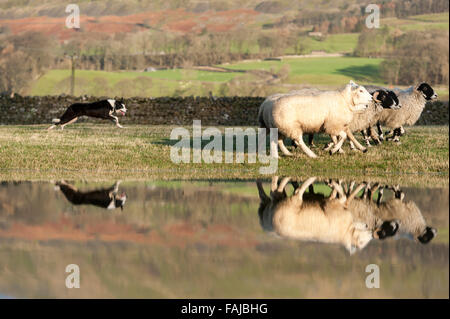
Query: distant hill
x,y
179,21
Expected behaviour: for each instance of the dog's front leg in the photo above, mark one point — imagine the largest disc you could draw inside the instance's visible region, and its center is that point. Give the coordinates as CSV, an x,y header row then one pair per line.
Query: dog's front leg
x,y
115,119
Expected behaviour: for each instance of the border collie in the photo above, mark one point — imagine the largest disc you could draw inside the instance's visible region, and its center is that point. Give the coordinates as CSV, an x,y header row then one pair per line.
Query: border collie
x,y
108,198
104,109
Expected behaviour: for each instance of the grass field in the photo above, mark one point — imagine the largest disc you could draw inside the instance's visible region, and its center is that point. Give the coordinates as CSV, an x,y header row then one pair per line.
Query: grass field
x,y
332,43
437,21
330,71
96,152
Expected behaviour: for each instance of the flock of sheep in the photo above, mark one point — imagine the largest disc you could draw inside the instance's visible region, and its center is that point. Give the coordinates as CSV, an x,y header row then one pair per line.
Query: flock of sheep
x,y
344,217
340,113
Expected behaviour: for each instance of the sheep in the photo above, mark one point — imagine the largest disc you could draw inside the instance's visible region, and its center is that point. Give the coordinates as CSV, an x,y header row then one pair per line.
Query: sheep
x,y
319,219
327,111
364,211
382,99
410,219
413,102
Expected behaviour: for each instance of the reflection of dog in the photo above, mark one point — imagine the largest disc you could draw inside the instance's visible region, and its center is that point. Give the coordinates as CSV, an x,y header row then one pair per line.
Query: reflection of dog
x,y
104,109
312,217
108,198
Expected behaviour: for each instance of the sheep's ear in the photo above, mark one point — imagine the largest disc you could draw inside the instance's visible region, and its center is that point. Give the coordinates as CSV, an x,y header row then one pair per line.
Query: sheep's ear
x,y
353,84
375,96
348,88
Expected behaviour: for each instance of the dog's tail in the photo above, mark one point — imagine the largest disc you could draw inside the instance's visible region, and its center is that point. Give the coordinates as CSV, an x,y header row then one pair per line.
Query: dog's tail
x,y
55,121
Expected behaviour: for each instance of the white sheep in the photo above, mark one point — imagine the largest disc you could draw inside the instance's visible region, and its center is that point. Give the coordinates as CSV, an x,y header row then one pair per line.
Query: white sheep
x,y
318,219
327,111
382,99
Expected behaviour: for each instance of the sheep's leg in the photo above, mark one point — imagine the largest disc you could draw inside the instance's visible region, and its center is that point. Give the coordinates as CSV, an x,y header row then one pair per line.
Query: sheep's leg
x,y
366,138
398,193
333,193
283,183
343,137
355,141
397,134
305,148
380,196
283,148
380,132
355,192
295,185
373,190
352,146
311,140
338,188
331,144
299,191
367,191
373,135
402,131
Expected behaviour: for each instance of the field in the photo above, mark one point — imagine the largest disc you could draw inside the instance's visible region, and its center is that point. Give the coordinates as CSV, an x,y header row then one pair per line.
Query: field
x,y
328,71
437,21
98,152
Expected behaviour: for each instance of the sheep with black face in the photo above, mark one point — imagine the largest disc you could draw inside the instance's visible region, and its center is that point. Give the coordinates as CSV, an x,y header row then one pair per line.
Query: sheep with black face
x,y
413,102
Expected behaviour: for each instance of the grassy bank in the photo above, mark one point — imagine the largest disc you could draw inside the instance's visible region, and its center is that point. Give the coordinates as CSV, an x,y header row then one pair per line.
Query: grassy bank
x,y
99,152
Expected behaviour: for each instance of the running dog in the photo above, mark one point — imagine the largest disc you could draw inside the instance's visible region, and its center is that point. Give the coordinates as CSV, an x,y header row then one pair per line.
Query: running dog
x,y
104,109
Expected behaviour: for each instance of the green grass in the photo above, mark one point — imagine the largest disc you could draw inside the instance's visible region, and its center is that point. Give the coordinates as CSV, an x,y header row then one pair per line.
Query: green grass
x,y
322,71
333,43
331,71
95,152
437,21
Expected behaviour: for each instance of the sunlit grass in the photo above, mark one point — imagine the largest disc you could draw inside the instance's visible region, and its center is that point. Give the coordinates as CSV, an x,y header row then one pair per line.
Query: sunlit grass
x,y
88,151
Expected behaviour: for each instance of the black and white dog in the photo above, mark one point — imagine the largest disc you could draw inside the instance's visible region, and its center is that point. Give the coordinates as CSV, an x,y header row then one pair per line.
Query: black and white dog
x,y
108,198
105,109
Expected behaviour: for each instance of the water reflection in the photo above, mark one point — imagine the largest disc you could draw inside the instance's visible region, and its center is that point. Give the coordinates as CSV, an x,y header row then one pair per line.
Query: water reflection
x,y
347,216
108,198
203,239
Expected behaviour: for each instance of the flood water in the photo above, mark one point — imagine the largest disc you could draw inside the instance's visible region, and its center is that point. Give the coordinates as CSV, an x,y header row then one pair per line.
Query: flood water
x,y
305,239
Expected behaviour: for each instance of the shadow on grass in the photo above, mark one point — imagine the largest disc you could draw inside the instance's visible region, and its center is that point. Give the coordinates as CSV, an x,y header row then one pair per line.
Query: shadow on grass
x,y
319,139
368,72
201,143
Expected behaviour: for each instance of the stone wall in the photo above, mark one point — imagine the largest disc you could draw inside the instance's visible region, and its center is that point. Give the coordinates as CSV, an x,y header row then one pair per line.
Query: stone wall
x,y
166,110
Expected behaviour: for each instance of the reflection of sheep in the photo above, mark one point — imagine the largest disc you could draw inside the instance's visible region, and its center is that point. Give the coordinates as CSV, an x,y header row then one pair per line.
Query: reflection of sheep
x,y
320,219
413,102
364,211
409,217
328,111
